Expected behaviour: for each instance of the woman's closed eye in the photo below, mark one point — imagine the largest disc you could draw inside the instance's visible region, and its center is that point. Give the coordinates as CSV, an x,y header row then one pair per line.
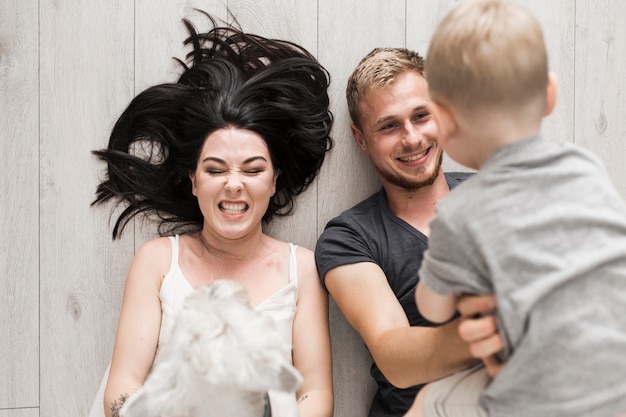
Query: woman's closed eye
x,y
253,171
213,171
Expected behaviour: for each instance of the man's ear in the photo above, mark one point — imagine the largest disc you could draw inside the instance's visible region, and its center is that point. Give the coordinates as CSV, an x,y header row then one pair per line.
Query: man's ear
x,y
358,137
552,89
445,120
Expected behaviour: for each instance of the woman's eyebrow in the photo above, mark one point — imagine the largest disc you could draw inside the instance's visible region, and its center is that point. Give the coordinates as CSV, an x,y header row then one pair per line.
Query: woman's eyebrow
x,y
221,161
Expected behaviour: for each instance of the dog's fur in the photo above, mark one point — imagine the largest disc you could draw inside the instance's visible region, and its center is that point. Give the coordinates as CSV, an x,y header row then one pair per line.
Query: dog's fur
x,y
222,358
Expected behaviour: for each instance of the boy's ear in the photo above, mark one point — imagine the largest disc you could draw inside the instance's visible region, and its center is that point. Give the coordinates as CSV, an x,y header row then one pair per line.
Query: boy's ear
x,y
358,137
552,90
445,120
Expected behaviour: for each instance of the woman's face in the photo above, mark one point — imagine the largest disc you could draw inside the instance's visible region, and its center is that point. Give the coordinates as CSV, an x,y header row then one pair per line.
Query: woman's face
x,y
233,181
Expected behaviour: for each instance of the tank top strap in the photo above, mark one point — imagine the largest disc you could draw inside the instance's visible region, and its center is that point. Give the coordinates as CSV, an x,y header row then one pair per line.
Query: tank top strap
x,y
293,264
175,249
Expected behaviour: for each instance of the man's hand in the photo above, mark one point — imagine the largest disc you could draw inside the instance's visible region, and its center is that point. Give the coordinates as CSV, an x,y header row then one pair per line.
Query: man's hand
x,y
478,328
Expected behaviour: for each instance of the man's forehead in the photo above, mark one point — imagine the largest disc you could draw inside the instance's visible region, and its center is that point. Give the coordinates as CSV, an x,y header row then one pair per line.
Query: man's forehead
x,y
386,101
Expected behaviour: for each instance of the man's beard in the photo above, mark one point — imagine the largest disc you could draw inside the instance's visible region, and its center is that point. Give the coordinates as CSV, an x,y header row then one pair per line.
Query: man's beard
x,y
410,184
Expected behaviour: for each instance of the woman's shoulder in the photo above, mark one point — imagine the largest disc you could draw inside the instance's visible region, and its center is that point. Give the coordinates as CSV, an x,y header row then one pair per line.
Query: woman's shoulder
x,y
305,258
303,253
155,255
306,264
155,247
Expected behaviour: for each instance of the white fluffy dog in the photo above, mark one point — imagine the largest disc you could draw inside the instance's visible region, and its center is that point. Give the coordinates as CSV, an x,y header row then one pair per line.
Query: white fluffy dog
x,y
222,358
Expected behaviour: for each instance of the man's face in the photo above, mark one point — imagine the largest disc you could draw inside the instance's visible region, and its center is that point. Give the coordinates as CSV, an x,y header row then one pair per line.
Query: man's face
x,y
399,134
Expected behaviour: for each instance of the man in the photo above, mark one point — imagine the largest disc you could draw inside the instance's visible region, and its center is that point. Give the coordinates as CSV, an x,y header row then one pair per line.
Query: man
x,y
369,256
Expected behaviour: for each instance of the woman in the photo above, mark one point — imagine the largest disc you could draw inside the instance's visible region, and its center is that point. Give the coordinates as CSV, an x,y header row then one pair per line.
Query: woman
x,y
214,156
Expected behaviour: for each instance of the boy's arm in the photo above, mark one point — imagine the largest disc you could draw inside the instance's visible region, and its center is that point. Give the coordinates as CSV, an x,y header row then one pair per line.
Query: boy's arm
x,y
406,355
433,306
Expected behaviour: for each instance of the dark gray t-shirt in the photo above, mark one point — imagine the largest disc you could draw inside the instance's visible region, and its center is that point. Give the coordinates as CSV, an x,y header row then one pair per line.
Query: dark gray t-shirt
x,y
541,226
370,232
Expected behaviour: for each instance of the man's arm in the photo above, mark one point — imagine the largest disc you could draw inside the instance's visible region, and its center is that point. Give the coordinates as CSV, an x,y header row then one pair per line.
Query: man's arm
x,y
406,355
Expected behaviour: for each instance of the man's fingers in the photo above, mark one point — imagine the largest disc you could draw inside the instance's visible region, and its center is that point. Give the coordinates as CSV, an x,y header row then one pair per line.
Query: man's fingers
x,y
486,347
475,329
492,365
478,327
472,305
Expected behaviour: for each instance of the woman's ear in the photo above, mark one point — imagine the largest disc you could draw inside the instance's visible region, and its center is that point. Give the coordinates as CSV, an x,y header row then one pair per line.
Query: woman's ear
x,y
192,178
276,174
552,90
444,117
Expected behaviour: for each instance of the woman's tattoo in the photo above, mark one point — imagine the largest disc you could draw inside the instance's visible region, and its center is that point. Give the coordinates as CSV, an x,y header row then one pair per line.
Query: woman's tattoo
x,y
117,405
304,397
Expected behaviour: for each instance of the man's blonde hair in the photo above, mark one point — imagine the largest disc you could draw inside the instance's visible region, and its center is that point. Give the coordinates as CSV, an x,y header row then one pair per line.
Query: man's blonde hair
x,y
488,53
381,67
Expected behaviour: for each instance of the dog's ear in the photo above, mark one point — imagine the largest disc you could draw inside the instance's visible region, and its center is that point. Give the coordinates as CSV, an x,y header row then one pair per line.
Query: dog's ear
x,y
289,379
136,405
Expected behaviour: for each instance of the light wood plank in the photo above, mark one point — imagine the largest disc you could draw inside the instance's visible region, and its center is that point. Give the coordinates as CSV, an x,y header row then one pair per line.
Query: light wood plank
x,y
20,412
347,32
600,84
558,21
19,191
86,80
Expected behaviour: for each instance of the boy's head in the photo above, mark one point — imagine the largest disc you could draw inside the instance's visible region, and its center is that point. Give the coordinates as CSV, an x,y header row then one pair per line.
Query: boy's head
x,y
381,67
487,71
488,54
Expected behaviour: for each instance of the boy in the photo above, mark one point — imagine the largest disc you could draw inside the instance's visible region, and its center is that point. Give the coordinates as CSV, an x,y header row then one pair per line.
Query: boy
x,y
539,224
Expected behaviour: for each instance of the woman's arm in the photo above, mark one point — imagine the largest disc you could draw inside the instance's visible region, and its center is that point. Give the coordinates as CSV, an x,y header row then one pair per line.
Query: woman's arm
x,y
139,324
434,307
311,341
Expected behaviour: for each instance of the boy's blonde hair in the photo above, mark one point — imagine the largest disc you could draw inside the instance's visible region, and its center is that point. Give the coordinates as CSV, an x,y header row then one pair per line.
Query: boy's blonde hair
x,y
488,53
381,67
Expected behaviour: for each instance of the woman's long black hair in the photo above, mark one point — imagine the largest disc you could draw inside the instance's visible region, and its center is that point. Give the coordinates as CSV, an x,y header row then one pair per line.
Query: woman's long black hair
x,y
274,88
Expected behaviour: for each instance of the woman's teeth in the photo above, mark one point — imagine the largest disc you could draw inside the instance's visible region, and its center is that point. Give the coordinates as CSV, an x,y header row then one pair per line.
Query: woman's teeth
x,y
233,208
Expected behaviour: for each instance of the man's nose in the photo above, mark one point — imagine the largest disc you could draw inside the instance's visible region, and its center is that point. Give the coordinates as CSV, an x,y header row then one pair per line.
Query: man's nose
x,y
410,135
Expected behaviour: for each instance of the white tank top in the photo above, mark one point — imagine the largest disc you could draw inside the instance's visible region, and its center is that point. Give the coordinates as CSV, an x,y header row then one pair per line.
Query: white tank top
x,y
281,306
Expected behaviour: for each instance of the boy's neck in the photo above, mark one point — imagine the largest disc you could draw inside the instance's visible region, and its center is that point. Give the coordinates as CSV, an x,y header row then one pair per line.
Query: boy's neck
x,y
492,133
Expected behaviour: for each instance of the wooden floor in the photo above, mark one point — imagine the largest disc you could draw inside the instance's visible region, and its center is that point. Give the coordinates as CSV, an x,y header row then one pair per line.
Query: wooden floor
x,y
68,68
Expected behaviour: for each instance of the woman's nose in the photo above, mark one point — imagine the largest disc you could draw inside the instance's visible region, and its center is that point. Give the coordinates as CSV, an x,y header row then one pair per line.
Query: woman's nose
x,y
233,182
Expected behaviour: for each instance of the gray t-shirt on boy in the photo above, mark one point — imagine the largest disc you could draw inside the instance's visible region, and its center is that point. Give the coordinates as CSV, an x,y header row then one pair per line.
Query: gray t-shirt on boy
x,y
541,226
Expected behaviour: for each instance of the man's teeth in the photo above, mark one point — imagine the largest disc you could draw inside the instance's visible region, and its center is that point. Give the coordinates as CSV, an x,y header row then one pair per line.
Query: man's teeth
x,y
233,208
414,157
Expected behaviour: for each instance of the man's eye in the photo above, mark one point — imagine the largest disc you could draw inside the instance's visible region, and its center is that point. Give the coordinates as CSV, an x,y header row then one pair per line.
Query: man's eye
x,y
420,116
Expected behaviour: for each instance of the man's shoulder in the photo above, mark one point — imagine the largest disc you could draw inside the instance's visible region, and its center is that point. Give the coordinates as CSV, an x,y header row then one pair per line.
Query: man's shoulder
x,y
359,212
456,177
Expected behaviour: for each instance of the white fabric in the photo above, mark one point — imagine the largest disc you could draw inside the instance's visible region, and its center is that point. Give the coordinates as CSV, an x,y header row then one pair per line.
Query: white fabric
x,y
281,306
